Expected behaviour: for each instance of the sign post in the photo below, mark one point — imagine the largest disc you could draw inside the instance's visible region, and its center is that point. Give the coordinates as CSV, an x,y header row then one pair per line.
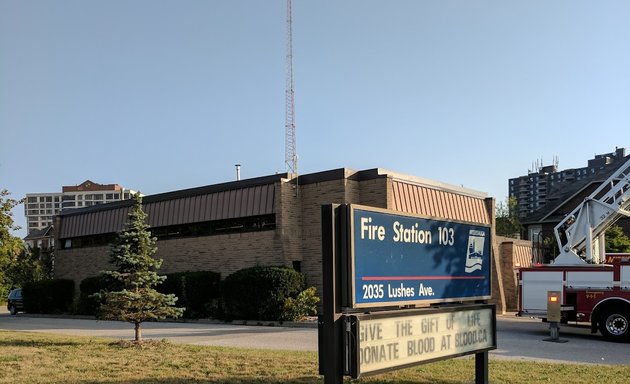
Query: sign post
x,y
330,324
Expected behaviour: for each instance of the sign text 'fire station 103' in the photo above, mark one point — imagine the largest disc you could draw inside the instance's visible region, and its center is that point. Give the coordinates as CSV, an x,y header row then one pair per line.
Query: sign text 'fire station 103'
x,y
404,340
400,259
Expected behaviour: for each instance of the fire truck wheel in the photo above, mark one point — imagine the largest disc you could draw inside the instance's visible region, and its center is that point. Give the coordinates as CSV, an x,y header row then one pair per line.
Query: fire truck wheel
x,y
615,325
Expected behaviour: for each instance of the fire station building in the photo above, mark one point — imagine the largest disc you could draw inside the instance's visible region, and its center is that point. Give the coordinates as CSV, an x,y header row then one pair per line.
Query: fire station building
x,y
272,220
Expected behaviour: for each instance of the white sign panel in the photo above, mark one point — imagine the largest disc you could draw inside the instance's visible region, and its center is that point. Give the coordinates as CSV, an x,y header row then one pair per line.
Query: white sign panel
x,y
385,343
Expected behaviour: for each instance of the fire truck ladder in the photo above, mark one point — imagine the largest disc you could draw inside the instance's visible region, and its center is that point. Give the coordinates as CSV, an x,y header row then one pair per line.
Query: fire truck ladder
x,y
583,229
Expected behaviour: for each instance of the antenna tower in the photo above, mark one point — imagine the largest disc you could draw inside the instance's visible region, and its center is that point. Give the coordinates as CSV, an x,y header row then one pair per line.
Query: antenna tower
x,y
290,148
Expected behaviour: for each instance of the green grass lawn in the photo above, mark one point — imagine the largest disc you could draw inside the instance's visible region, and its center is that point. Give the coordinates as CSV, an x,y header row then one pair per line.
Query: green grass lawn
x,y
39,358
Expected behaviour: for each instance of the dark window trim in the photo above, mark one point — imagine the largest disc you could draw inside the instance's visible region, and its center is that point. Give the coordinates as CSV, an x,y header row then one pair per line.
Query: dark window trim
x,y
206,228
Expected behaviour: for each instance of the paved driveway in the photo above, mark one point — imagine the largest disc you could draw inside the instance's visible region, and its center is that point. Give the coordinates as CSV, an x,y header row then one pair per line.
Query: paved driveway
x,y
302,339
517,338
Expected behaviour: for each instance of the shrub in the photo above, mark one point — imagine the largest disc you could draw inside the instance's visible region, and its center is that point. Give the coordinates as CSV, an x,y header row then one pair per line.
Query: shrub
x,y
48,296
196,291
305,304
88,304
259,293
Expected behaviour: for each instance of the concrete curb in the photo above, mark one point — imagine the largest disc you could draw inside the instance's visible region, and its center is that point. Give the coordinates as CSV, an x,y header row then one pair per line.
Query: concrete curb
x,y
310,323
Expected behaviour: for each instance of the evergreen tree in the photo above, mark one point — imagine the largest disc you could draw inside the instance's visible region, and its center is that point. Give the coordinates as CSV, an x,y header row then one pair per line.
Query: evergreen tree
x,y
135,277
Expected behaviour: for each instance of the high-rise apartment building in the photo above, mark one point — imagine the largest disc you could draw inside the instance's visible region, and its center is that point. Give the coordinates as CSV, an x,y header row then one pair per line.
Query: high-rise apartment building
x,y
39,208
533,190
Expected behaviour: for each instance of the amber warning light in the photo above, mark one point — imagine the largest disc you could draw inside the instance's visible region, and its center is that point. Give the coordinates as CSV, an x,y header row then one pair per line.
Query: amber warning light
x,y
553,306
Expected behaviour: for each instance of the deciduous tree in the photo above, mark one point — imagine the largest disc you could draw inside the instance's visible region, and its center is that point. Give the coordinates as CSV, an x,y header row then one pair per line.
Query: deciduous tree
x,y
12,250
616,240
508,221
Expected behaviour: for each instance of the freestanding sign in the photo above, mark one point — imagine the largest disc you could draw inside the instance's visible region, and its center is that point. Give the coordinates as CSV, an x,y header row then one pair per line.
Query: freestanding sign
x,y
401,260
401,290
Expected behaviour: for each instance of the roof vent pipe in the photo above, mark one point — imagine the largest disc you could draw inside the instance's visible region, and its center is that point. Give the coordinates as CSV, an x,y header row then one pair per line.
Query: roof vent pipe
x,y
238,171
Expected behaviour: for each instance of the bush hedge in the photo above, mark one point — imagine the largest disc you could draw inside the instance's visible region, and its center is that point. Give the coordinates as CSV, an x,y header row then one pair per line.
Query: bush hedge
x,y
198,291
259,293
88,305
48,296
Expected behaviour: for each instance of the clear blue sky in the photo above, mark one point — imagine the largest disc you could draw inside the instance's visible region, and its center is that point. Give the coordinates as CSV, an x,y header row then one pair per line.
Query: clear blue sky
x,y
165,95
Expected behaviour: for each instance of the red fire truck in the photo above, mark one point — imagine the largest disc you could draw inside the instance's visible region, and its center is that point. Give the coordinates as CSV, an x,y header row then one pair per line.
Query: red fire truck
x,y
593,288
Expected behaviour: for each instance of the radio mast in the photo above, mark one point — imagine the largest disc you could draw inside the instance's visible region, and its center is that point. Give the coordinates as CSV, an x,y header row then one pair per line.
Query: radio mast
x,y
290,148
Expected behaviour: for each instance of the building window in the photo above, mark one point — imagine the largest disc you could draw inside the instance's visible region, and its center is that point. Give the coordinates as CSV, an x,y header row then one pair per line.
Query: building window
x,y
109,196
220,227
97,196
32,199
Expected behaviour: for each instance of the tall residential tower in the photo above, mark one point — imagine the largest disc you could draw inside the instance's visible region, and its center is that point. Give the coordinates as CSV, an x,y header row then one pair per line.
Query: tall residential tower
x,y
533,190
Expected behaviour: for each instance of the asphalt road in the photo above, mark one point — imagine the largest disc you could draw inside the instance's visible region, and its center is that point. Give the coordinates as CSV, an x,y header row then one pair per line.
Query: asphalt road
x,y
517,338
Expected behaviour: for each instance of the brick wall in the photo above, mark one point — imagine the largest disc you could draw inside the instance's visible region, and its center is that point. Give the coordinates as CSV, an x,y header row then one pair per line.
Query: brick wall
x,y
376,192
223,253
512,254
288,222
312,197
77,264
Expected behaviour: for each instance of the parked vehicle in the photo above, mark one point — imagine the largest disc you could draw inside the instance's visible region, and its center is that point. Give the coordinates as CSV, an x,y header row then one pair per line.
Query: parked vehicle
x,y
14,302
593,288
